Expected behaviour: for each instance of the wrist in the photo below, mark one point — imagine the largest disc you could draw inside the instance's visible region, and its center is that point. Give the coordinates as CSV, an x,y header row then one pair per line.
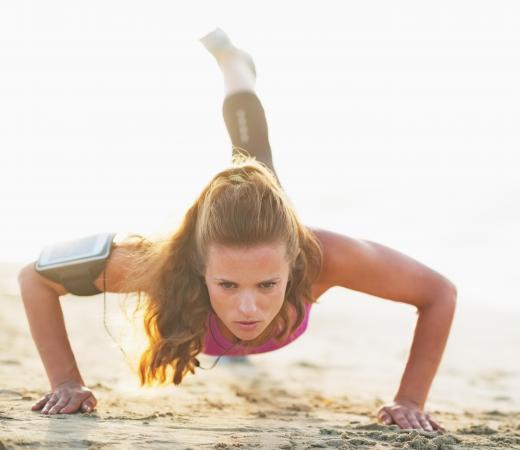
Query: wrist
x,y
68,380
408,401
71,375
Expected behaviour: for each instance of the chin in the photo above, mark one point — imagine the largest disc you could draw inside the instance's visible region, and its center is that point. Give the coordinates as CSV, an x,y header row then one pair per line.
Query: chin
x,y
251,335
248,335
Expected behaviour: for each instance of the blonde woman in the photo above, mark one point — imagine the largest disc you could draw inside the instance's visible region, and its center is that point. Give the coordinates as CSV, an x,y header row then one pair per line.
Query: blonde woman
x,y
240,275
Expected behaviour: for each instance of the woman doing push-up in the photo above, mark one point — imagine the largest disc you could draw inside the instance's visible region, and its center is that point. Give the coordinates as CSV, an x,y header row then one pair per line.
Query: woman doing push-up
x,y
238,277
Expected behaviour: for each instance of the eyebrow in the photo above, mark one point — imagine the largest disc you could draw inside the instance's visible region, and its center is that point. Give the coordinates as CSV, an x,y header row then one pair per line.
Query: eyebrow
x,y
275,278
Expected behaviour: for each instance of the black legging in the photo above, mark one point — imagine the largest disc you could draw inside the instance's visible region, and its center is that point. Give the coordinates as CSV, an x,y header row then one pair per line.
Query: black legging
x,y
247,127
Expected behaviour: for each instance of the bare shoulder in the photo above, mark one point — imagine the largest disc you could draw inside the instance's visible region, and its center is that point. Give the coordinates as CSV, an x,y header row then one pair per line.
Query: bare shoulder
x,y
333,244
327,241
373,268
122,258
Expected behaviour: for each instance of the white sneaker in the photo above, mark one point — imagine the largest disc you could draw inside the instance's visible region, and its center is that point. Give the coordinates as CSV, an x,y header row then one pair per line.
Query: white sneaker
x,y
217,42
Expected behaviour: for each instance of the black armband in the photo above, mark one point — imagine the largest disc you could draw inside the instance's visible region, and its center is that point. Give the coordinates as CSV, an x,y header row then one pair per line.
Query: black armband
x,y
76,264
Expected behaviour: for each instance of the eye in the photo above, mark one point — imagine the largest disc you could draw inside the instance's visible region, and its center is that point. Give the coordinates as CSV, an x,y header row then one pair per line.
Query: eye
x,y
268,285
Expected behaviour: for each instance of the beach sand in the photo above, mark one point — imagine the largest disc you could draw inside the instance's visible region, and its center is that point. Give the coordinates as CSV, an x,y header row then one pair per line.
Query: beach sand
x,y
322,391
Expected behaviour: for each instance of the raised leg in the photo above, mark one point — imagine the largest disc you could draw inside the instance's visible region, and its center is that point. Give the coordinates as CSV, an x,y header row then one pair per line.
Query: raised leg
x,y
243,112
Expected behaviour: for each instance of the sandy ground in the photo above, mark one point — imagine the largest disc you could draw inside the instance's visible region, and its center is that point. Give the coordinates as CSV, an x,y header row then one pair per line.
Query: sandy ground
x,y
322,391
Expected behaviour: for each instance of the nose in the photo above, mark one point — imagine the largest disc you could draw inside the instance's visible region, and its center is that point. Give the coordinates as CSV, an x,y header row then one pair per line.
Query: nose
x,y
247,305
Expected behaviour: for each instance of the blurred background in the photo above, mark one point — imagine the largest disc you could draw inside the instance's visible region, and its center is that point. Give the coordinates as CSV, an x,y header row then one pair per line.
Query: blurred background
x,y
395,122
392,124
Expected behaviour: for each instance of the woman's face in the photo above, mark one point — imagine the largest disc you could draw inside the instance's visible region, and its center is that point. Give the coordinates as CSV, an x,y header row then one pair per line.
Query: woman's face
x,y
245,285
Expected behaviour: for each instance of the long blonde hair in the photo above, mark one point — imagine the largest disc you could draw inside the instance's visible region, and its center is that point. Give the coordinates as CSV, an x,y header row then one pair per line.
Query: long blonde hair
x,y
241,206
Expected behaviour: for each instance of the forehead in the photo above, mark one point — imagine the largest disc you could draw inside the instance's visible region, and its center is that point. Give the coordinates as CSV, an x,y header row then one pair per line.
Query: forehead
x,y
223,257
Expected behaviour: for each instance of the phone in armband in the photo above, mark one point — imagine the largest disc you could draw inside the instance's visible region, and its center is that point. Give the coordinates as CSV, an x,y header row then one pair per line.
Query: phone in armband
x,y
77,263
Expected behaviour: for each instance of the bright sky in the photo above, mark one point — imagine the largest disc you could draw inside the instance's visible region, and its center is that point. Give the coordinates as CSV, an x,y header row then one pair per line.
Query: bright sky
x,y
390,121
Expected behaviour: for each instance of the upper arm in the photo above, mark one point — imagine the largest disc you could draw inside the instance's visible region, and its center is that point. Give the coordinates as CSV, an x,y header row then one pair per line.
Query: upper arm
x,y
28,274
378,270
116,269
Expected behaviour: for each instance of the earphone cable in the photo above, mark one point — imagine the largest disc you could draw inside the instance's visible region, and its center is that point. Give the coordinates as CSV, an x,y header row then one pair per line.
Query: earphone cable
x,y
129,362
105,323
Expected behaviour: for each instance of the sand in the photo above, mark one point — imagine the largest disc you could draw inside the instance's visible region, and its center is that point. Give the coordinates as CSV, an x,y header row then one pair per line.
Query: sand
x,y
322,391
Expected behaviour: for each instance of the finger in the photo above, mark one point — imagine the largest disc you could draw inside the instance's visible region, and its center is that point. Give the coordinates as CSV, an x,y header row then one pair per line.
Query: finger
x,y
401,420
413,421
50,403
424,423
72,406
75,403
59,404
385,418
86,407
39,404
436,426
89,404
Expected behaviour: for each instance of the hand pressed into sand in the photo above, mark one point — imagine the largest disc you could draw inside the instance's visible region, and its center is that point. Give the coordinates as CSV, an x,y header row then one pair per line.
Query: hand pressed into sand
x,y
66,398
407,415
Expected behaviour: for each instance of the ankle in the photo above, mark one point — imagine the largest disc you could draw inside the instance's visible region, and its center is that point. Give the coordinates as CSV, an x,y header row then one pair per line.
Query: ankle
x,y
226,54
233,57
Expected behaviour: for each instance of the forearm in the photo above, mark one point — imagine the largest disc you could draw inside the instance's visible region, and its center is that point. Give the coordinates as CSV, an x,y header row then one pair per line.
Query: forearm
x,y
430,337
45,317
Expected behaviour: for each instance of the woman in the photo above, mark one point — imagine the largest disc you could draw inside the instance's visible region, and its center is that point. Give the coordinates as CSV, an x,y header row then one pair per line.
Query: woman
x,y
240,274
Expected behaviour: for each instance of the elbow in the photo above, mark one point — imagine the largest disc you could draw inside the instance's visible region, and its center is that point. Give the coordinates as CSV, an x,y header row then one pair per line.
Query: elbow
x,y
26,273
23,274
451,292
444,296
447,294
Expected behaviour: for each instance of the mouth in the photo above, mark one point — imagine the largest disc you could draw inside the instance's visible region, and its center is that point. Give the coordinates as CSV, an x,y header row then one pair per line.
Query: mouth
x,y
248,325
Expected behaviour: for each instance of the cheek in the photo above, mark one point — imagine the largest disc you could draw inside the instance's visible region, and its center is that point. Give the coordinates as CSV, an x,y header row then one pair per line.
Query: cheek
x,y
221,304
275,305
216,298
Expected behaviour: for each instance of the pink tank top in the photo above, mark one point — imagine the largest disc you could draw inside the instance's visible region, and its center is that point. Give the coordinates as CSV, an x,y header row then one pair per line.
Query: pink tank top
x,y
216,344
